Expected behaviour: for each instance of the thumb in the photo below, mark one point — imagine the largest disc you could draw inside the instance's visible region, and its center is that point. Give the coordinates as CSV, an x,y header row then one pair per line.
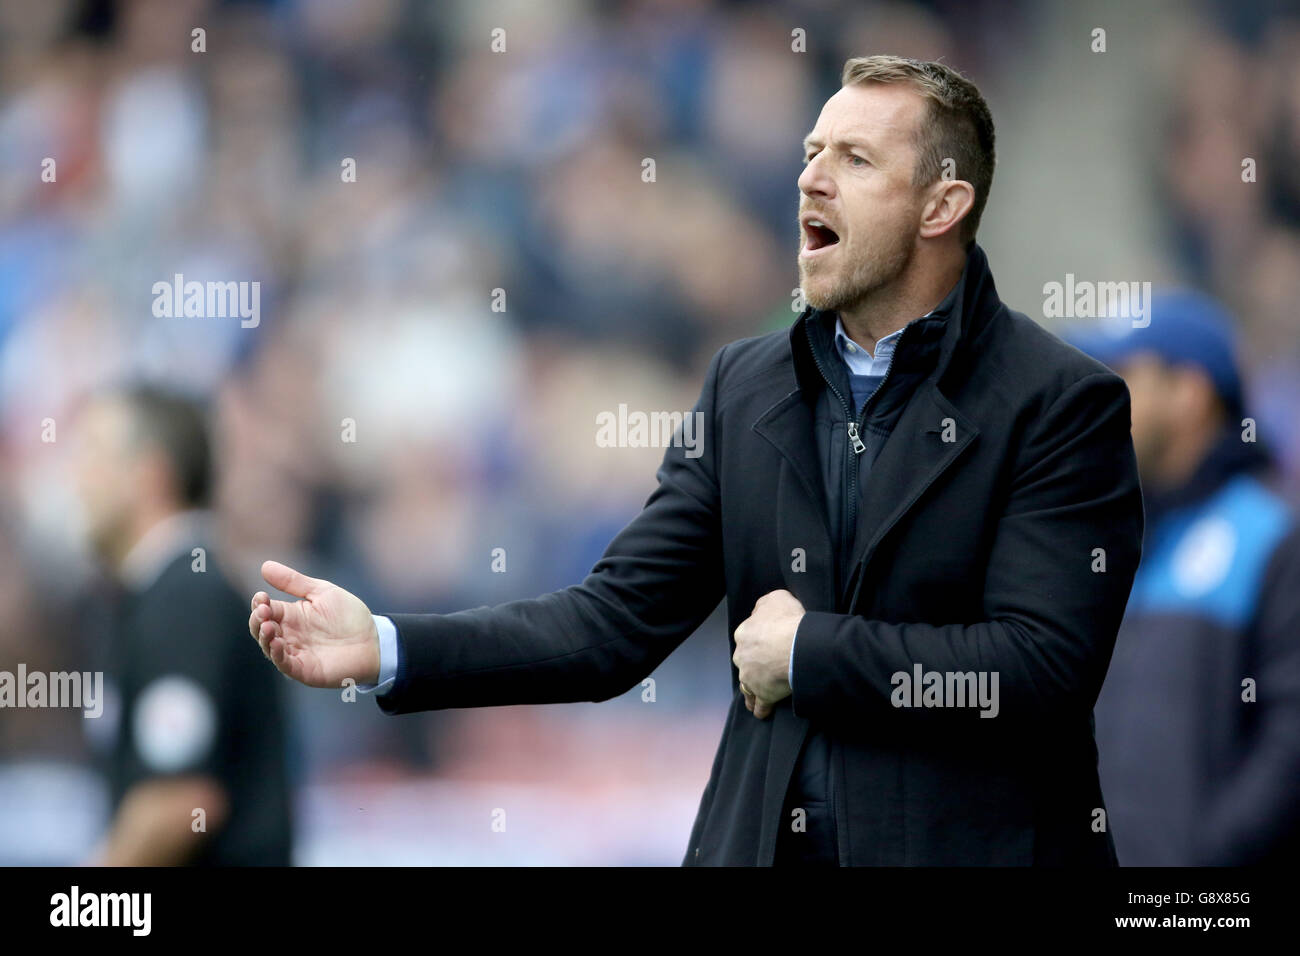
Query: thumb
x,y
287,579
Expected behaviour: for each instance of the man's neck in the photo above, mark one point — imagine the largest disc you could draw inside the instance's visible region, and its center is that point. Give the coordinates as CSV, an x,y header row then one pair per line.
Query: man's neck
x,y
888,309
159,539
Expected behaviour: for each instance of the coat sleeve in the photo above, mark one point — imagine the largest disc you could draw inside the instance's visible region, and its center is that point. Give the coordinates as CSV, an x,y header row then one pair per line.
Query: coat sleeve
x,y
658,580
1253,810
1049,619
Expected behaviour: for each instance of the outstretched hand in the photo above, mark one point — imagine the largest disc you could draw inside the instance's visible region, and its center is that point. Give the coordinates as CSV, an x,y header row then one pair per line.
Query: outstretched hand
x,y
321,640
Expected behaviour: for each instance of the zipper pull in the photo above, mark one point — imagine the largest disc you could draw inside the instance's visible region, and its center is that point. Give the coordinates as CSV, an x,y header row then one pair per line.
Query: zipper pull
x,y
859,446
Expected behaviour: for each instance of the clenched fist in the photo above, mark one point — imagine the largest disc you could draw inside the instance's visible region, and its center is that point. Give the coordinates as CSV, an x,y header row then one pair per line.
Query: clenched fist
x,y
326,637
763,642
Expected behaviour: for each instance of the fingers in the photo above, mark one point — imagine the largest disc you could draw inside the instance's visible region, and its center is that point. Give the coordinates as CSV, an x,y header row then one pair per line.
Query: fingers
x,y
264,623
276,646
288,580
760,709
264,610
266,632
253,622
271,611
276,649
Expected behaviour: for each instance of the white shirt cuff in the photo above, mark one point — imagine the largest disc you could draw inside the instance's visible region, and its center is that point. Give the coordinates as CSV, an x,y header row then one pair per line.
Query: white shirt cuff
x,y
789,679
387,657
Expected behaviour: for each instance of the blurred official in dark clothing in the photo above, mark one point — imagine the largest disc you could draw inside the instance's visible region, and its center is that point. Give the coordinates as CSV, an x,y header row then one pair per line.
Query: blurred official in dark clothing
x,y
1198,723
193,729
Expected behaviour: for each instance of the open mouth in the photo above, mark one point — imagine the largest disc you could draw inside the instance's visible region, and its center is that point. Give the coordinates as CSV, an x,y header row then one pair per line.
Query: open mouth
x,y
818,235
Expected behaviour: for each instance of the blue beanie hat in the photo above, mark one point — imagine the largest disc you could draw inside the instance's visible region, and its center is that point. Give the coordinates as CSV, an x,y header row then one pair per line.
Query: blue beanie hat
x,y
1185,328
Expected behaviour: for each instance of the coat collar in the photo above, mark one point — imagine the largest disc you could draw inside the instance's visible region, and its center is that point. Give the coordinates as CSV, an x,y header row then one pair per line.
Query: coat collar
x,y
954,324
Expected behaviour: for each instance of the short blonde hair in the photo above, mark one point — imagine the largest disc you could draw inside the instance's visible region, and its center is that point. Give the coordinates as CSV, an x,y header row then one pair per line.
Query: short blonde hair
x,y
959,126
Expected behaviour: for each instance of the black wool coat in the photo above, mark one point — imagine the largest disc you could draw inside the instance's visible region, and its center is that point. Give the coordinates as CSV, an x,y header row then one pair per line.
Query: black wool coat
x,y
998,534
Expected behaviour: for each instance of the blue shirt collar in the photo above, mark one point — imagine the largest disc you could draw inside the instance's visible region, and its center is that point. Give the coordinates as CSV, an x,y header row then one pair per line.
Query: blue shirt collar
x,y
859,361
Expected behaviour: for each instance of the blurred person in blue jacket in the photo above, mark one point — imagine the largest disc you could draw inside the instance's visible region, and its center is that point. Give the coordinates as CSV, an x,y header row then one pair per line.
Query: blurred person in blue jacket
x,y
1198,722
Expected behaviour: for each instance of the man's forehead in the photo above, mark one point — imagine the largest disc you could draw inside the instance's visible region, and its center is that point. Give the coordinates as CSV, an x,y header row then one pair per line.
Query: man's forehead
x,y
870,113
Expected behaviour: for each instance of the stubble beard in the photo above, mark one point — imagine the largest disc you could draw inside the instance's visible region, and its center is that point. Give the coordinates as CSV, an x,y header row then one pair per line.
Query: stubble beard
x,y
838,289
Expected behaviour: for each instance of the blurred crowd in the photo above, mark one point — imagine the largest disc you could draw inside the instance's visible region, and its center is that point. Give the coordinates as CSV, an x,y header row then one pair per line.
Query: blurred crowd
x,y
504,266
1235,109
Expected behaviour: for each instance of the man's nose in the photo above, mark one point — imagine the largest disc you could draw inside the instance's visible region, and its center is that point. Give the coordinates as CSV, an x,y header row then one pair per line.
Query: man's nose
x,y
815,180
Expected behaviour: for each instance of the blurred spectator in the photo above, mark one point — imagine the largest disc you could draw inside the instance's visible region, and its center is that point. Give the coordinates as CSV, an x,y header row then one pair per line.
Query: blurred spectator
x,y
1197,722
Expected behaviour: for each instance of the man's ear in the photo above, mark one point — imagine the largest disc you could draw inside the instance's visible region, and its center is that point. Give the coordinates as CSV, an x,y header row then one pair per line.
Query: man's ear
x,y
949,202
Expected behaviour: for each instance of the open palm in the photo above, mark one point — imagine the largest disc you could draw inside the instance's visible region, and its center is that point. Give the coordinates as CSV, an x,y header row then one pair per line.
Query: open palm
x,y
321,640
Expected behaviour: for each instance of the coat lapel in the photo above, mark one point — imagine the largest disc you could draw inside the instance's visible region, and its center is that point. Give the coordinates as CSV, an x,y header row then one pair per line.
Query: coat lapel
x,y
800,507
788,734
928,438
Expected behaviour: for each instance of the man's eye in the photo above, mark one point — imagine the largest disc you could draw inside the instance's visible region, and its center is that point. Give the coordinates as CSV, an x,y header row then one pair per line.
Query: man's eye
x,y
855,160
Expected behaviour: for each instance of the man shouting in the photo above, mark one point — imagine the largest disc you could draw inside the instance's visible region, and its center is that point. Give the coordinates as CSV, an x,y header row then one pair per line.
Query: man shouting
x,y
921,508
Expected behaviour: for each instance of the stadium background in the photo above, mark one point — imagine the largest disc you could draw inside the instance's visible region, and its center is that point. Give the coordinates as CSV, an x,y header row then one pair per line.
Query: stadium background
x,y
522,171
